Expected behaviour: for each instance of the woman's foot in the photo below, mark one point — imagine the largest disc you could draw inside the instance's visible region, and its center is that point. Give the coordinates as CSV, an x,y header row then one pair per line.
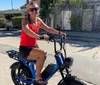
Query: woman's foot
x,y
41,82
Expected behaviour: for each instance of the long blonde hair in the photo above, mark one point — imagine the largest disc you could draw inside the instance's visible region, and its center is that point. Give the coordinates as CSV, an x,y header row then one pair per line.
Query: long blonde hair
x,y
27,15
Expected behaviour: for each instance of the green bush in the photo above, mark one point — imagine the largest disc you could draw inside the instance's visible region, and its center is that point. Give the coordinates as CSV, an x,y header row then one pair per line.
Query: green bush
x,y
2,22
16,21
58,27
76,22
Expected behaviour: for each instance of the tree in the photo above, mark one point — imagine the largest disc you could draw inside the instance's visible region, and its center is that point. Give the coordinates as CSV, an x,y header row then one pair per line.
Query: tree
x,y
76,3
44,8
47,6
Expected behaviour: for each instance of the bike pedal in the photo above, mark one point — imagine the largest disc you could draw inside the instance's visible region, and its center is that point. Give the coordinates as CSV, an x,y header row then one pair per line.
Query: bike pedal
x,y
36,83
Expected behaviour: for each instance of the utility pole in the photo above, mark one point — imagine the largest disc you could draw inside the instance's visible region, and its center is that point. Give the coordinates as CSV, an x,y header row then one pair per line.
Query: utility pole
x,y
12,4
27,1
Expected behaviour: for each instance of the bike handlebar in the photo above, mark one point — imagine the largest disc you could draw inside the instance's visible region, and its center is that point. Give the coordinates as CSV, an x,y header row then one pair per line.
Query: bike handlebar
x,y
61,43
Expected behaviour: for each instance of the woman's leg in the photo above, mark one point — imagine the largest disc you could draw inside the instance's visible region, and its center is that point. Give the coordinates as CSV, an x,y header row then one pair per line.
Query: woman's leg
x,y
40,56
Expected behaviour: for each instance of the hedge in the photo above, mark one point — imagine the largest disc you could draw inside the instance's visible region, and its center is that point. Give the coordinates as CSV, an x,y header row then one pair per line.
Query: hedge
x,y
76,22
2,22
16,21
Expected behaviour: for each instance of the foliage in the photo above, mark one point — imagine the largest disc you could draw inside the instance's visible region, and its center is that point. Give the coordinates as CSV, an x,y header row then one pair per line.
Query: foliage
x,y
85,6
2,22
59,1
58,27
76,22
9,16
46,6
76,3
16,21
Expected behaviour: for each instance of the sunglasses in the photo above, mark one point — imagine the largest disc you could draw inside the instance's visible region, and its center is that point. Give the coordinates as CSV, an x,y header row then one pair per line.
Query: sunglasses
x,y
34,9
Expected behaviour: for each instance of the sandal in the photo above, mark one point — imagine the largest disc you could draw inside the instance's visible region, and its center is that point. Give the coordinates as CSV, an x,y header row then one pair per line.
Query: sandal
x,y
41,82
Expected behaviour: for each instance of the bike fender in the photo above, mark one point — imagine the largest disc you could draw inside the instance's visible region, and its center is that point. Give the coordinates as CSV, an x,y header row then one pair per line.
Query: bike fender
x,y
16,64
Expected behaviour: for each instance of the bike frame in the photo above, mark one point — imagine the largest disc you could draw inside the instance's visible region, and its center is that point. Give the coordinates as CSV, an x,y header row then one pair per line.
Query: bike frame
x,y
31,66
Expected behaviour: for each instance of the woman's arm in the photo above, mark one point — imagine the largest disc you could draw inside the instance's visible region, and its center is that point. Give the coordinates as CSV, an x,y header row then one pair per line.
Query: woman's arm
x,y
28,31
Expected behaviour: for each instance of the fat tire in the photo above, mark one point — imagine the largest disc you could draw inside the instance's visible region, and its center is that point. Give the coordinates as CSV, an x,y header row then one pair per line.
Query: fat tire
x,y
22,71
75,81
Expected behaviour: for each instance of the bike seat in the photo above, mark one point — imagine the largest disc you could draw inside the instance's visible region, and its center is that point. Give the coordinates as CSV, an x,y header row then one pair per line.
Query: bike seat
x,y
15,55
12,53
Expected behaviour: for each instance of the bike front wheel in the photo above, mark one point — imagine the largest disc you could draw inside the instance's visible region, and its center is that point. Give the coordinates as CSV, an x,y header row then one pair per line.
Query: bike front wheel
x,y
75,81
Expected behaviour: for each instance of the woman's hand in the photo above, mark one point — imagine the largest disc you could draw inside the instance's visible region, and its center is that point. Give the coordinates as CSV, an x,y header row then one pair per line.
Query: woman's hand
x,y
46,37
62,33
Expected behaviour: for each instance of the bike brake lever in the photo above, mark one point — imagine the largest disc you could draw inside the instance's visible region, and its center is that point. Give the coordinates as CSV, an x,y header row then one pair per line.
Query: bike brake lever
x,y
50,39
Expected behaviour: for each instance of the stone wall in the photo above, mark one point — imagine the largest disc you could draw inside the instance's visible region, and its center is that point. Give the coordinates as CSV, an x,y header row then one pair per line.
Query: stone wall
x,y
96,22
61,18
87,19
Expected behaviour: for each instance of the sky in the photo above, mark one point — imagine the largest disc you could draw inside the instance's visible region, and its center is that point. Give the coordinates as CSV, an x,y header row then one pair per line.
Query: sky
x,y
6,4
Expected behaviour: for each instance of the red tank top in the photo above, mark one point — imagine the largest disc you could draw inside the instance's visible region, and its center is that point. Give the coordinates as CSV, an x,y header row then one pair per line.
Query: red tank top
x,y
26,40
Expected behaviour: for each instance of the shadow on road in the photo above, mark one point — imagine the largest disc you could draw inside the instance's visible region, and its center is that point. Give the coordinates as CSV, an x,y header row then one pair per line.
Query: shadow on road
x,y
85,45
11,32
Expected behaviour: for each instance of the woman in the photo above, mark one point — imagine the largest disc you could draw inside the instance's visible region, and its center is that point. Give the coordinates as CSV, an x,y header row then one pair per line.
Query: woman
x,y
28,44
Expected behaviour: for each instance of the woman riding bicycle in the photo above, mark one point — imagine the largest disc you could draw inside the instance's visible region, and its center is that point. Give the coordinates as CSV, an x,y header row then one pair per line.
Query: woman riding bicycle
x,y
28,49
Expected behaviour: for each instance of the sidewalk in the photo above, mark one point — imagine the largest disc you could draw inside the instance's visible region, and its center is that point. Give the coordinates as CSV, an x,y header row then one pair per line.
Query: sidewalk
x,y
71,35
84,36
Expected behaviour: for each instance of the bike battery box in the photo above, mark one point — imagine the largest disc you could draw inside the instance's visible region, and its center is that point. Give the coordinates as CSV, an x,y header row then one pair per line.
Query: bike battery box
x,y
48,71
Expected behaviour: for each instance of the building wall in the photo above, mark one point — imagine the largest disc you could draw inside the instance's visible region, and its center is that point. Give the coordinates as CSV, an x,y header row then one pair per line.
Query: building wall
x,y
1,15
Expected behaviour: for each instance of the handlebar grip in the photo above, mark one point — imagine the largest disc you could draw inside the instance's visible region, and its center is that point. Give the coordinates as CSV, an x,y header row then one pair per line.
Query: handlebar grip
x,y
41,37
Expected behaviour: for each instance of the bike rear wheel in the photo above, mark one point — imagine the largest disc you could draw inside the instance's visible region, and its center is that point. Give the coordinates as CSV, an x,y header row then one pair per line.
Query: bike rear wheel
x,y
72,82
20,72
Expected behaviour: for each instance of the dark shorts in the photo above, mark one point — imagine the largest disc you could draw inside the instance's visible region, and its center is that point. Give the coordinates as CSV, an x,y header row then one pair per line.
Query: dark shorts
x,y
24,51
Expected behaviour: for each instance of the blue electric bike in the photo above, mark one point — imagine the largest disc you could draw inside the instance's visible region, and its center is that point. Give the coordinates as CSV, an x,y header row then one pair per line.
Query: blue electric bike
x,y
23,71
